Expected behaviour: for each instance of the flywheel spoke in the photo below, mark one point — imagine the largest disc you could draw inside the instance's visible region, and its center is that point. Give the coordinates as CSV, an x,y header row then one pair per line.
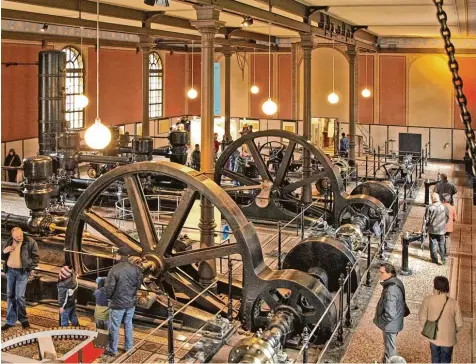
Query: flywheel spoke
x,y
111,232
243,180
140,210
175,225
259,162
200,255
303,182
283,167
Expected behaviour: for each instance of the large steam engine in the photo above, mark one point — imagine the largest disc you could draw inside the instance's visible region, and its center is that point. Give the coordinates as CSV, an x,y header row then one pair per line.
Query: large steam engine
x,y
280,303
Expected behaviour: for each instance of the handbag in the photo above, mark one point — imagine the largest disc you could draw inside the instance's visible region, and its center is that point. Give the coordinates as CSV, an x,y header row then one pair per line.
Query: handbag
x,y
431,327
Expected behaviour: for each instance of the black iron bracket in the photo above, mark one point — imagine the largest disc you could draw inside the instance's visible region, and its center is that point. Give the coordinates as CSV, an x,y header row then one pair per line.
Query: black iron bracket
x,y
354,28
312,9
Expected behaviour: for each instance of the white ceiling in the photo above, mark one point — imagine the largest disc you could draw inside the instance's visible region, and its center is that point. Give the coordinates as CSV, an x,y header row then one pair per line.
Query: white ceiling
x,y
387,18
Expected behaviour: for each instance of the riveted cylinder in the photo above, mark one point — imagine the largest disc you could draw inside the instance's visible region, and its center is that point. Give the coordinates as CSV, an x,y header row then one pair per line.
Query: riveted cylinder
x,y
51,99
178,140
37,172
69,140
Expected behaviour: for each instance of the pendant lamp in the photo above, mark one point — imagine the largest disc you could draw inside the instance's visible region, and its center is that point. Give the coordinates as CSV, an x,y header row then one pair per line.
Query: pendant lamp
x,y
254,89
97,136
192,93
333,98
366,92
269,107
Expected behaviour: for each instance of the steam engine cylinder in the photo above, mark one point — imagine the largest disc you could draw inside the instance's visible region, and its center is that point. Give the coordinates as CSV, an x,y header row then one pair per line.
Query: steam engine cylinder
x,y
37,172
142,148
178,140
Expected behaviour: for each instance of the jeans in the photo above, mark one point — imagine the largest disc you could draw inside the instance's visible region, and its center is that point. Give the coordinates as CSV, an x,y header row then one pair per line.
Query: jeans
x,y
117,317
102,324
17,280
69,315
441,354
390,345
437,242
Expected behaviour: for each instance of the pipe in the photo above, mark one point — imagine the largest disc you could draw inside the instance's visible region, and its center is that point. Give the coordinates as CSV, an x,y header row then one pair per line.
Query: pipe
x,y
102,159
51,99
9,221
11,187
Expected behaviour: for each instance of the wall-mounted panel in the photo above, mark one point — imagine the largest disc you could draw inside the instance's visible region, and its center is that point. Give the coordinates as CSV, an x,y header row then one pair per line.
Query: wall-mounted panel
x,y
284,86
120,86
30,147
467,65
175,85
392,87
425,134
430,92
459,144
262,81
19,92
366,81
393,137
441,143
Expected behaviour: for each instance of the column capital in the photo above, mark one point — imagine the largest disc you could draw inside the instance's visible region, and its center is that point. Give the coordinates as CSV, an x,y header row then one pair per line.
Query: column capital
x,y
227,51
208,19
351,51
146,42
307,41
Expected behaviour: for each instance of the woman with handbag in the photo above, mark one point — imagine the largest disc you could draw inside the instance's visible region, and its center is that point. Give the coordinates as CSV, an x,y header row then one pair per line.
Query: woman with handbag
x,y
440,317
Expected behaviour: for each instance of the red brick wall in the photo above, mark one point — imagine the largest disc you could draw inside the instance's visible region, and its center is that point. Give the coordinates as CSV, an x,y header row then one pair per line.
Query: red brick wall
x,y
262,74
194,106
366,79
120,86
19,92
175,88
392,78
285,86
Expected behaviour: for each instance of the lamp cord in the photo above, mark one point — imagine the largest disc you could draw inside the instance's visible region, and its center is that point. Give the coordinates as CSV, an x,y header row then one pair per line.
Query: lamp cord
x,y
97,62
254,66
366,75
192,63
269,61
333,67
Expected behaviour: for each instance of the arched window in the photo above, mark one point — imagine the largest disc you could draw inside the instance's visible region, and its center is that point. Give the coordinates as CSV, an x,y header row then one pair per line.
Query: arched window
x,y
155,85
74,87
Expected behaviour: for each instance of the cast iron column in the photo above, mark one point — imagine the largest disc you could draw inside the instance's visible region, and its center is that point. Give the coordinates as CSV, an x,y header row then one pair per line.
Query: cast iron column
x,y
351,52
306,45
146,45
227,54
207,24
295,78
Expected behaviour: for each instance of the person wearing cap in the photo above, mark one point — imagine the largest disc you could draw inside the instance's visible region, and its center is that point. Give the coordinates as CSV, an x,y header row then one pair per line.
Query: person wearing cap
x,y
20,255
121,286
67,288
101,311
452,216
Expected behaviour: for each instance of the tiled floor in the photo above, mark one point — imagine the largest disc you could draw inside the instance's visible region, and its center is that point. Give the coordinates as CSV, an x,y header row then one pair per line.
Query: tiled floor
x,y
366,343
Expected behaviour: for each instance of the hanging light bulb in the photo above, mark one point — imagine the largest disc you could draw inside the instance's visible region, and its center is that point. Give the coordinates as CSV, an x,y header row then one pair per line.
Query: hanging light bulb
x,y
97,136
366,92
192,93
81,101
254,88
333,98
269,107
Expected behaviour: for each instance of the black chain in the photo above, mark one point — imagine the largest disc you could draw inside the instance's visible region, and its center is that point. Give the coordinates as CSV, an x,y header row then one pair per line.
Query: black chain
x,y
457,82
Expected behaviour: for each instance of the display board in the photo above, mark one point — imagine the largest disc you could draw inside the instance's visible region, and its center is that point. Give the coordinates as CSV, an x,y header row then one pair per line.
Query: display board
x,y
409,143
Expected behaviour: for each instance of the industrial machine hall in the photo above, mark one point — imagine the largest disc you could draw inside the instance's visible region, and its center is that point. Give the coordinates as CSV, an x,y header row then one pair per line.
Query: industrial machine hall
x,y
238,181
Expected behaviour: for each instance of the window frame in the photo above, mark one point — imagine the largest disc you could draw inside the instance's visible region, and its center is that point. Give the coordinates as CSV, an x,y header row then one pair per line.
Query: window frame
x,y
156,86
75,117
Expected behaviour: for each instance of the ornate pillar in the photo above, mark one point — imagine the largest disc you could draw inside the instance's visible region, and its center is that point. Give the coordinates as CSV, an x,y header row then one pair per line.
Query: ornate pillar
x,y
227,54
306,45
352,53
146,45
294,79
207,24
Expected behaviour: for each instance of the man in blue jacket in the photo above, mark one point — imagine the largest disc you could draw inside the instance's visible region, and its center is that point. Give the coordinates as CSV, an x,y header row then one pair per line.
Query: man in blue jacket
x,y
344,146
391,309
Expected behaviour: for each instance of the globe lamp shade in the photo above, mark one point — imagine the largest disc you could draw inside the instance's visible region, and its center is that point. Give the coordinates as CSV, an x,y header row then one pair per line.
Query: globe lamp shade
x,y
333,98
97,136
254,89
270,107
192,93
81,101
366,92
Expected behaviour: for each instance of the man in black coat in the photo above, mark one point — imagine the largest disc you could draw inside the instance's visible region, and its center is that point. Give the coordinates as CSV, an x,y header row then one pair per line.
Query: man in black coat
x,y
391,309
122,284
12,160
21,256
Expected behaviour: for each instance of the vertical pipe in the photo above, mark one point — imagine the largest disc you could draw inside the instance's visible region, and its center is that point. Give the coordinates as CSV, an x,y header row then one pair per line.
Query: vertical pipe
x,y
146,46
51,99
405,197
340,331
170,330
230,289
378,157
302,221
348,317
375,165
279,245
422,159
368,280
227,54
366,166
307,45
353,69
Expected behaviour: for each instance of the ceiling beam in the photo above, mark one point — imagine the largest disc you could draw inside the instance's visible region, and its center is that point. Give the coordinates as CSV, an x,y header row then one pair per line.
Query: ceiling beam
x,y
90,24
150,17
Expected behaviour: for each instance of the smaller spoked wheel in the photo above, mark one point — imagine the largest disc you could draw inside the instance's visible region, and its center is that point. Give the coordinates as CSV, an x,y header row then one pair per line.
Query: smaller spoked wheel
x,y
353,210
